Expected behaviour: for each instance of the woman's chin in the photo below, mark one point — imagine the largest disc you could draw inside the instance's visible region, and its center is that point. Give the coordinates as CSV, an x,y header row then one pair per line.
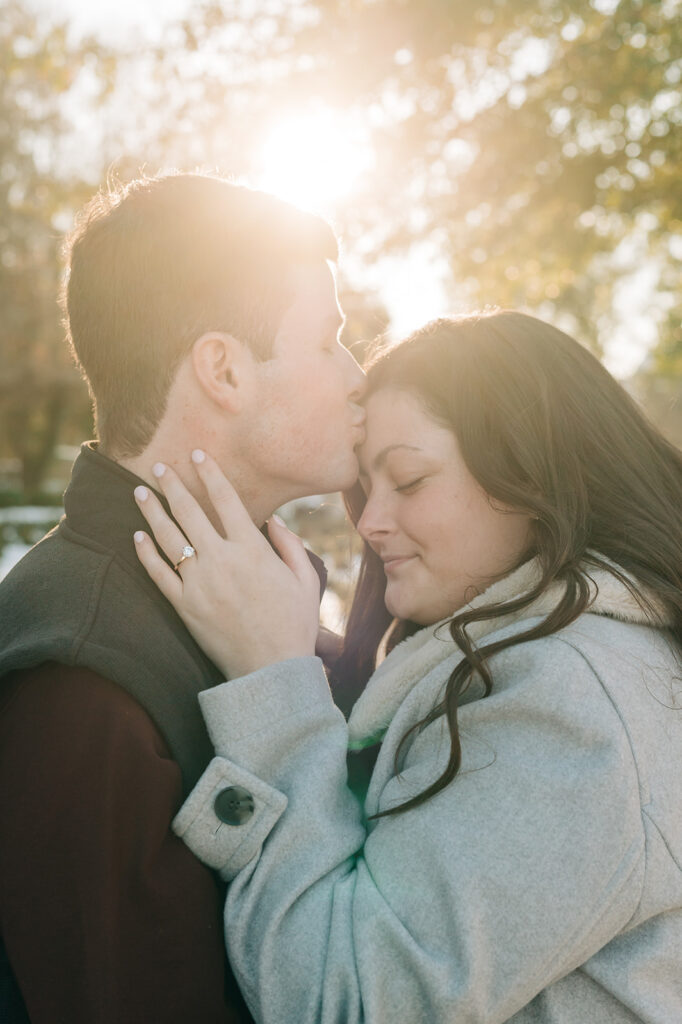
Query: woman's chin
x,y
423,613
404,608
394,605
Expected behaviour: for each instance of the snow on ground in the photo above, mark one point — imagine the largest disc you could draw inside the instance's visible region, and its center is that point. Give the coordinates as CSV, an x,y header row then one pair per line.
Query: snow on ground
x,y
12,545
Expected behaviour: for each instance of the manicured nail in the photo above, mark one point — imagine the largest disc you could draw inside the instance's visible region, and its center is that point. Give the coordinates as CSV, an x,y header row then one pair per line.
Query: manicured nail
x,y
198,455
141,493
138,536
158,469
278,520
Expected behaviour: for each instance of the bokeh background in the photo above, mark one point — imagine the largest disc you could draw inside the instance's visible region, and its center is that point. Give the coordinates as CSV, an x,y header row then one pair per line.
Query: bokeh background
x,y
469,153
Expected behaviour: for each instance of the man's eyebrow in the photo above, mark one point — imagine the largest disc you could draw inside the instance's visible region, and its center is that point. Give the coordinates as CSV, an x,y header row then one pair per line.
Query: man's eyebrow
x,y
379,460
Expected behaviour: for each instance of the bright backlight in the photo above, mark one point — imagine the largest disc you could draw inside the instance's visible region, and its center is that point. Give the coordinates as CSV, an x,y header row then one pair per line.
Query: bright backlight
x,y
314,160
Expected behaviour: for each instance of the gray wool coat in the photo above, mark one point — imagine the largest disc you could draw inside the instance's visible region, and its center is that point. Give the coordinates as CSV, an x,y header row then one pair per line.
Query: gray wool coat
x,y
542,886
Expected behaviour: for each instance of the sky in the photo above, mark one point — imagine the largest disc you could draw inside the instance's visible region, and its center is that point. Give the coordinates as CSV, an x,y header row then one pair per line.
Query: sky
x,y
413,287
113,19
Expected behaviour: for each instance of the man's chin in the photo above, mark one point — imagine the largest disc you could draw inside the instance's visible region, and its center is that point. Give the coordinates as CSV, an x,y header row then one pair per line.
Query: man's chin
x,y
342,480
331,480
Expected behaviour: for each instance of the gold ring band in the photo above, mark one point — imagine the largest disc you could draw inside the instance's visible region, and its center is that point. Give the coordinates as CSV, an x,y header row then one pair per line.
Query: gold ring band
x,y
187,552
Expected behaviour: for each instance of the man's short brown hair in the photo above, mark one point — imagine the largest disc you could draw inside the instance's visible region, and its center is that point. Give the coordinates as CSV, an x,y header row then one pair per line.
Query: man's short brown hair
x,y
156,263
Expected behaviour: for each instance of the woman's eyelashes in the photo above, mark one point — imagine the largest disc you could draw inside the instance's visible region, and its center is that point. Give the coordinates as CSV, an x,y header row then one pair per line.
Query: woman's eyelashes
x,y
392,480
410,486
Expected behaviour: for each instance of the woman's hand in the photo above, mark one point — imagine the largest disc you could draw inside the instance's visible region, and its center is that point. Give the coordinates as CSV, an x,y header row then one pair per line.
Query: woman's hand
x,y
245,607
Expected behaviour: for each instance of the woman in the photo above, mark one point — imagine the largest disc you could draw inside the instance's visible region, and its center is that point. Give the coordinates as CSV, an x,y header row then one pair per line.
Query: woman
x,y
519,853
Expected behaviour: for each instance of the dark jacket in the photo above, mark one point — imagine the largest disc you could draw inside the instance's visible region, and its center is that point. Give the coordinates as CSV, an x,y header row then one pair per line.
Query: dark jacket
x,y
78,614
80,597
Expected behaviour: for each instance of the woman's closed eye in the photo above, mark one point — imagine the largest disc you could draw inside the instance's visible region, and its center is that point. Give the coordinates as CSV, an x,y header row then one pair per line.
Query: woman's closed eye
x,y
411,485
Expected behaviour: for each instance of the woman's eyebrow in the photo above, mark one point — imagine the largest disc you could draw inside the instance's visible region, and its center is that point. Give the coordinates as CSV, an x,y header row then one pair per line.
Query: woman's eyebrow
x,y
380,459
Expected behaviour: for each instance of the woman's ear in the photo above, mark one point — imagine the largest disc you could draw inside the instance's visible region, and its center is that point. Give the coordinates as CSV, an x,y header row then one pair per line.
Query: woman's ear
x,y
223,368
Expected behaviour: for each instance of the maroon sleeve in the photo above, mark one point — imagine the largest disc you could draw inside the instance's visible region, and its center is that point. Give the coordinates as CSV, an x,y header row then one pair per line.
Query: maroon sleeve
x,y
106,916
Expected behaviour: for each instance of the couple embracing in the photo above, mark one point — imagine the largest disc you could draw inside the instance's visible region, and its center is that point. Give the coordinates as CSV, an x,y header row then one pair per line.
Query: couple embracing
x,y
173,763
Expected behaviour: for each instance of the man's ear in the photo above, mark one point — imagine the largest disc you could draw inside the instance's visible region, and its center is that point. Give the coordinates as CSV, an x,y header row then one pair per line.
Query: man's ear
x,y
223,367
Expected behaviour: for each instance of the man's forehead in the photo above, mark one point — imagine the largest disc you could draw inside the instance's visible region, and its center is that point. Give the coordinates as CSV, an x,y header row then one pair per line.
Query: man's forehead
x,y
315,302
315,278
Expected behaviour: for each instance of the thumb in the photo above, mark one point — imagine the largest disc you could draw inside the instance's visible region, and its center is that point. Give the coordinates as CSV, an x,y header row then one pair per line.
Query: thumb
x,y
292,552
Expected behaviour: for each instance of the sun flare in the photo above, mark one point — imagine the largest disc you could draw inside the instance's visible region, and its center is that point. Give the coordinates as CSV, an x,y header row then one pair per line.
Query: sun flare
x,y
314,160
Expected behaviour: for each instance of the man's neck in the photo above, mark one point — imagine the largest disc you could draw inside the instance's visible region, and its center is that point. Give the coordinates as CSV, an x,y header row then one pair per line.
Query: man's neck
x,y
259,505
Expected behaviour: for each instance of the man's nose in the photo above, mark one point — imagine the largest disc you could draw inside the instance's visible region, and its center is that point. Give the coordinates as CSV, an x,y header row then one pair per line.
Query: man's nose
x,y
357,380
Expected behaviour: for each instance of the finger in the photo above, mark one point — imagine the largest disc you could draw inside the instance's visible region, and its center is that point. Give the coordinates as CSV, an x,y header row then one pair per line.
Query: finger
x,y
292,552
170,539
236,521
168,582
186,509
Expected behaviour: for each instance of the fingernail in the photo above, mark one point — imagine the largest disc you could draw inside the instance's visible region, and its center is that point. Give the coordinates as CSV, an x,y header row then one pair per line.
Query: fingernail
x,y
198,455
278,520
158,469
141,493
138,536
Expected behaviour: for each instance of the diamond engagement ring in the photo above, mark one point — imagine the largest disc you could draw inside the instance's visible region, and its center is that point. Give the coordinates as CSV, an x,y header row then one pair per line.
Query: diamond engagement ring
x,y
187,552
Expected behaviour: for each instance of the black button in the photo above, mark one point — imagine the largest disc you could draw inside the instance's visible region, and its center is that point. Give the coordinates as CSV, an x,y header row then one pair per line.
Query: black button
x,y
233,805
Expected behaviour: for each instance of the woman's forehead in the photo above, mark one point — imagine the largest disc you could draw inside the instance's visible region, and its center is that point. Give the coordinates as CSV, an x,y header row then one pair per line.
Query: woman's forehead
x,y
398,422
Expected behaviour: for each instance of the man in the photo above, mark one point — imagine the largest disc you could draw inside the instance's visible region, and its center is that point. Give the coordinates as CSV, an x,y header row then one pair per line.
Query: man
x,y
204,315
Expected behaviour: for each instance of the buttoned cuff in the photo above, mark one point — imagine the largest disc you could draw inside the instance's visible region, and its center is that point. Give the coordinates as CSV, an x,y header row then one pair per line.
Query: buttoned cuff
x,y
257,705
227,816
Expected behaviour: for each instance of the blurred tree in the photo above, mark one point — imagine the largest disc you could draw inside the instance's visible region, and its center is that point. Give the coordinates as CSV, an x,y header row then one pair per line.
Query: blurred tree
x,y
38,383
539,143
658,383
367,320
198,95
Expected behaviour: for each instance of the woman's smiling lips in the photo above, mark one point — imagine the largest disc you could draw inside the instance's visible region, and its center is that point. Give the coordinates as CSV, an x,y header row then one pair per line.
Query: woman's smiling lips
x,y
395,561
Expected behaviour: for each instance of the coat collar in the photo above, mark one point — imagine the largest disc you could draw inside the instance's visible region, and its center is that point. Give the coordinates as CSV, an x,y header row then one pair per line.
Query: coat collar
x,y
99,504
411,660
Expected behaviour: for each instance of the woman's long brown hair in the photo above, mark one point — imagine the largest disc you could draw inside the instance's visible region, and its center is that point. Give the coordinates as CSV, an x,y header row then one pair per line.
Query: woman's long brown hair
x,y
546,430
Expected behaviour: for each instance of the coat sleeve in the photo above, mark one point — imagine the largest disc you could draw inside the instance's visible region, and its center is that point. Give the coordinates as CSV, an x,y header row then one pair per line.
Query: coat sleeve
x,y
106,917
463,908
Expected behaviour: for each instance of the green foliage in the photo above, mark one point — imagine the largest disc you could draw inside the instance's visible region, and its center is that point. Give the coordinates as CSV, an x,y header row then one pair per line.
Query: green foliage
x,y
532,140
667,359
38,382
537,144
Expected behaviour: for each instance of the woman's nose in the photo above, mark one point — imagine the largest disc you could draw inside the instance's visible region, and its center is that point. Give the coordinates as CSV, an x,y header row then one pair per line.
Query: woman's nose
x,y
373,521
